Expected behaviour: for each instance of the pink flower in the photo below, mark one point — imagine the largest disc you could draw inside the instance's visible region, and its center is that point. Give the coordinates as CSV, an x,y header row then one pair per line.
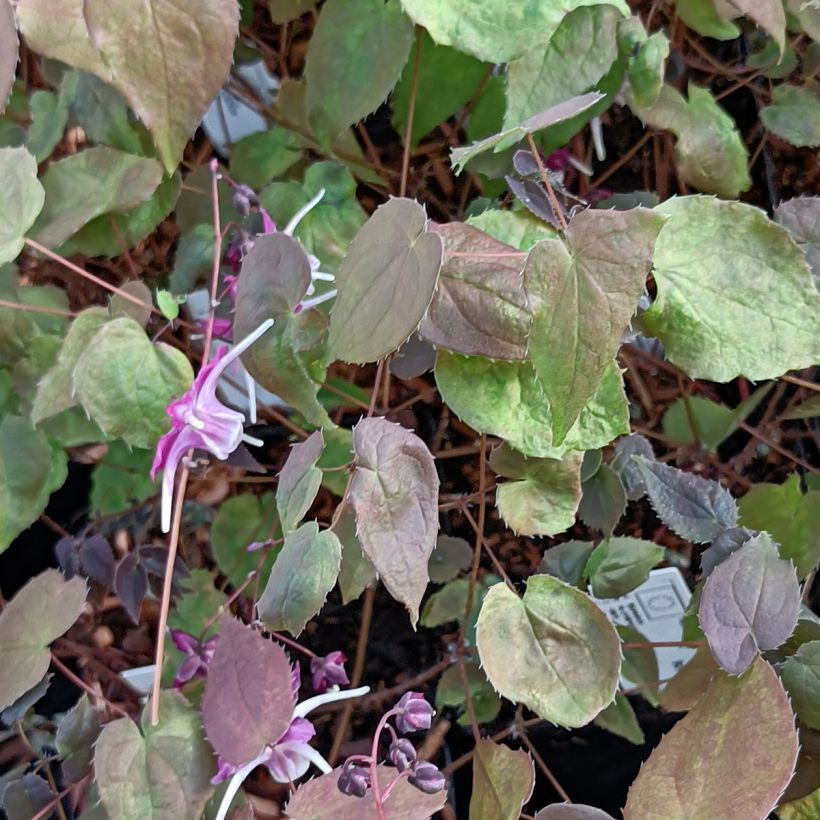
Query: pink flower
x,y
197,656
328,671
223,328
200,421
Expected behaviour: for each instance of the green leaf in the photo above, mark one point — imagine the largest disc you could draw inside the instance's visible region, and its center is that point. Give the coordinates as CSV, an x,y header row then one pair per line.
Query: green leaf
x,y
451,556
805,808
356,572
647,60
121,479
603,500
496,32
239,522
619,718
21,199
553,115
169,85
566,561
801,677
573,652
517,228
503,780
37,615
30,470
619,565
707,311
9,46
745,718
356,55
124,382
49,115
96,181
794,114
385,283
450,692
801,218
505,399
710,154
701,16
299,481
583,295
304,573
259,158
447,80
283,11
479,307
160,773
543,497
577,56
791,517
767,15
640,664
394,492
446,605
167,304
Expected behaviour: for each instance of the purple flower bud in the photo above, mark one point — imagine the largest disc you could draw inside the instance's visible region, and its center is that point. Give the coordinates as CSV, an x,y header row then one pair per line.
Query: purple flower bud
x,y
402,754
558,160
354,780
427,777
328,671
244,199
413,713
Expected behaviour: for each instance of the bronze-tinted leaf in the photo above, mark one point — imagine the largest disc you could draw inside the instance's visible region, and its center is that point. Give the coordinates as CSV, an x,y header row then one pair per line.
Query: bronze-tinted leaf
x,y
503,780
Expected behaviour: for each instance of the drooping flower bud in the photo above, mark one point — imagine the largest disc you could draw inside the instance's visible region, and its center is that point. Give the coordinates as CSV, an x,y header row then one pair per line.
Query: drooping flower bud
x,y
244,199
427,777
328,671
402,754
354,780
413,713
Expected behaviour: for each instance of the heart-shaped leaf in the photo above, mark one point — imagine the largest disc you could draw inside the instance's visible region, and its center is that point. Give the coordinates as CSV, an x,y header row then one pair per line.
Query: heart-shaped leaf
x,y
503,780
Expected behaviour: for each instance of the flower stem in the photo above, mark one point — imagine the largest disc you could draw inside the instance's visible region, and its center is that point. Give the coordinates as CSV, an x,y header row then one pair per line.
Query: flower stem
x,y
374,763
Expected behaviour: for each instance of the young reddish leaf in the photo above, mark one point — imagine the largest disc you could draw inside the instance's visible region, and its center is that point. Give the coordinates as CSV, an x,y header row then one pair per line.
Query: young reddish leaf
x,y
583,294
801,677
97,560
162,772
749,603
503,780
304,573
38,614
571,811
248,700
131,584
9,44
320,799
573,653
394,492
479,307
694,772
299,481
695,508
385,283
618,565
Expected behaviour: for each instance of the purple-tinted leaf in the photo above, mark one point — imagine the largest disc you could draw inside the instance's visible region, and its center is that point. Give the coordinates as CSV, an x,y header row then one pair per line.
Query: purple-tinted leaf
x,y
131,584
304,573
320,799
77,732
248,700
65,550
479,307
525,164
414,358
97,560
503,781
603,500
731,756
38,614
11,714
154,560
24,798
695,508
749,603
571,811
385,283
299,481
723,545
394,492
533,196
627,470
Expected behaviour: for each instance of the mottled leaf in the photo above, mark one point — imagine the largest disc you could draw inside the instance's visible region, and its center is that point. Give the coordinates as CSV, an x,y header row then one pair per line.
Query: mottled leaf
x,y
96,181
356,55
503,780
394,492
707,312
385,283
38,614
248,700
304,573
77,732
451,556
567,561
583,294
801,677
479,307
619,718
505,399
320,798
160,773
603,500
801,218
169,85
794,114
694,771
695,508
619,565
573,652
21,199
543,495
299,481
749,603
494,32
124,382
